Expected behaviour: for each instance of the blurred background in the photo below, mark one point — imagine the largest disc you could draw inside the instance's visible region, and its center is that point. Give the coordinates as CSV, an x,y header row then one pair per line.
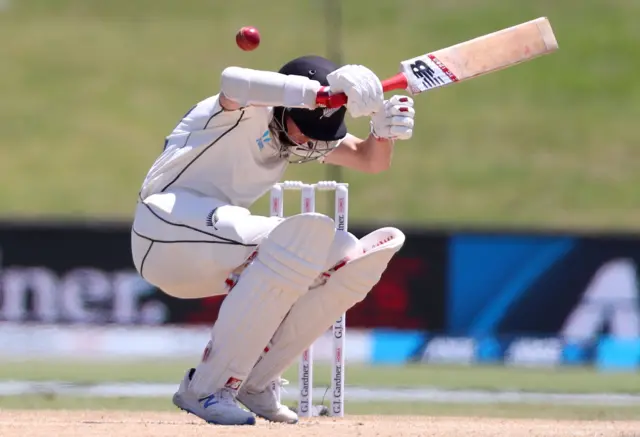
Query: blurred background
x,y
518,194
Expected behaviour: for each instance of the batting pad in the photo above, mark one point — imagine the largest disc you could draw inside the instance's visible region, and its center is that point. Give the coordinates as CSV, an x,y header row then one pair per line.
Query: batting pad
x,y
345,245
287,262
346,285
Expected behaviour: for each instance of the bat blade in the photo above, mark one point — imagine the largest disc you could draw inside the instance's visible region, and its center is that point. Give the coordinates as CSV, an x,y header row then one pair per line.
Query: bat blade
x,y
479,56
466,60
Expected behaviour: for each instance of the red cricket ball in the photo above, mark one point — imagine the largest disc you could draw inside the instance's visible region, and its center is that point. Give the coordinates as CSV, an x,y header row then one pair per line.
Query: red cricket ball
x,y
248,38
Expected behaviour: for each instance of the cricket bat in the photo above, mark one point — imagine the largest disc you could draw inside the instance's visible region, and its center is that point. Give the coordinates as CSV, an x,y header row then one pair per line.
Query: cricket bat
x,y
476,57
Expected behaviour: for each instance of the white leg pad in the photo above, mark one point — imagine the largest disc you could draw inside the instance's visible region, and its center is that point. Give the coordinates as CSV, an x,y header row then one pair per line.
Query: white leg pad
x,y
320,307
287,262
345,246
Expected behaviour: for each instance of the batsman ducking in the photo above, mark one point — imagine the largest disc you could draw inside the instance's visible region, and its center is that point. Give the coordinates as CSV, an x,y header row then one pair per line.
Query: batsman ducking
x,y
286,280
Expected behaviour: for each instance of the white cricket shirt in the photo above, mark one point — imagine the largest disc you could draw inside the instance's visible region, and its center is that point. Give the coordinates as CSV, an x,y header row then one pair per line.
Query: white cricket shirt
x,y
228,155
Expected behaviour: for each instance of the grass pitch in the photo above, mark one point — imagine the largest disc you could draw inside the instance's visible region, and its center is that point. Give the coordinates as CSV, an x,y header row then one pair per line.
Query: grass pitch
x,y
160,424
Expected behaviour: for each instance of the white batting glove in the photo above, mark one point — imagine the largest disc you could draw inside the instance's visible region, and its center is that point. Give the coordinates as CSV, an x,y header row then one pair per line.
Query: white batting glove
x,y
362,87
395,120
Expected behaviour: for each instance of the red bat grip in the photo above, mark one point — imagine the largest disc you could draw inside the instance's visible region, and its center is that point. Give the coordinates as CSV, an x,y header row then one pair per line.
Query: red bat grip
x,y
326,99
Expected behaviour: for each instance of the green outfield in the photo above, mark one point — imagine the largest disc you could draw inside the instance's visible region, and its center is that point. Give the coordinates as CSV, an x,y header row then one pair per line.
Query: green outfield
x,y
490,378
89,89
578,412
555,380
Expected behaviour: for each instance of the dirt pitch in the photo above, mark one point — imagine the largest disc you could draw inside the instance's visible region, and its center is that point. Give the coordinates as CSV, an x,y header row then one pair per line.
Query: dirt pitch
x,y
37,423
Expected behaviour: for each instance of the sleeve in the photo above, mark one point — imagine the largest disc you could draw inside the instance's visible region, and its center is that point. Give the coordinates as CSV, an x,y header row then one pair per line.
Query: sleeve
x,y
207,121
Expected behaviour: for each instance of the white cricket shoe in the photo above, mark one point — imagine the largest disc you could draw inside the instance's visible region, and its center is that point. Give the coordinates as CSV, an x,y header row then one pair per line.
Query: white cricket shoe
x,y
265,404
219,408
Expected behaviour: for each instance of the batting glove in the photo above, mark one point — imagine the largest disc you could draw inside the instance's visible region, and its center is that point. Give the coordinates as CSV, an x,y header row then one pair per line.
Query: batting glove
x,y
395,120
362,87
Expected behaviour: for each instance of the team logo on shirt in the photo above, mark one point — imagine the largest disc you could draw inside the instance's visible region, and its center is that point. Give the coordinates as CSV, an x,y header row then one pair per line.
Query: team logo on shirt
x,y
264,139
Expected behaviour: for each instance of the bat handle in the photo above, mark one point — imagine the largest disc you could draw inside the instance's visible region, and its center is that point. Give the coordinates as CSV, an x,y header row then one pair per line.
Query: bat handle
x,y
326,99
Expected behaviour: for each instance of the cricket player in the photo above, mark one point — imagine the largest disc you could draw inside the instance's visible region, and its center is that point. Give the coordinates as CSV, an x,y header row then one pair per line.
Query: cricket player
x,y
287,279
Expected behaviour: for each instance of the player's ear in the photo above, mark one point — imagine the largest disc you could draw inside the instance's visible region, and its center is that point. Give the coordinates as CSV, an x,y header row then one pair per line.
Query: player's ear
x,y
290,126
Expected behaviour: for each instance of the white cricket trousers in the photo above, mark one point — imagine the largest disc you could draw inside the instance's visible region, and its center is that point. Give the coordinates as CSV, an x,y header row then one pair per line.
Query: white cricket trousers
x,y
187,244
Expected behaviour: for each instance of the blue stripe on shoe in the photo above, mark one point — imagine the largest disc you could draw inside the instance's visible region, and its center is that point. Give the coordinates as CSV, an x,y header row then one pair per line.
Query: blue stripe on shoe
x,y
208,401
